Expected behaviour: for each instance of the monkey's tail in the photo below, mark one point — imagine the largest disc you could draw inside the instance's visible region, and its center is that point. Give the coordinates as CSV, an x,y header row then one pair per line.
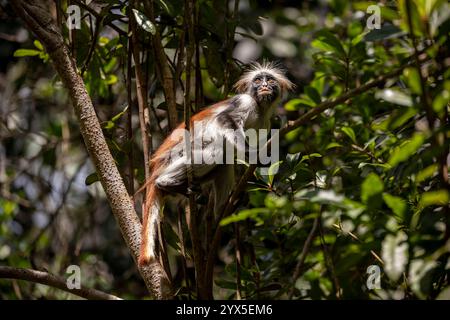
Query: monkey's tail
x,y
151,218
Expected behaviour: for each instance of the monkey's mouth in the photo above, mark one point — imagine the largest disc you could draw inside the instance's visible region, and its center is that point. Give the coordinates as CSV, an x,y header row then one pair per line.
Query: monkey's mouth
x,y
265,91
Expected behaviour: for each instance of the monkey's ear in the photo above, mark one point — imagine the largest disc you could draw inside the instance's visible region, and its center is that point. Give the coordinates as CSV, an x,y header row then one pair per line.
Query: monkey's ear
x,y
241,86
286,85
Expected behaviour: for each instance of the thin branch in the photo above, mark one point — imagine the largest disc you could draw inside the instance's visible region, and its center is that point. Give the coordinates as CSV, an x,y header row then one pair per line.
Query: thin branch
x,y
183,250
329,263
164,72
98,24
140,93
53,281
238,253
302,257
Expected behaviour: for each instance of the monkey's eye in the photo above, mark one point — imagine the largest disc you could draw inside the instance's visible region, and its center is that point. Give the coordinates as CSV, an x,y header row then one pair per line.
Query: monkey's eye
x,y
257,81
271,81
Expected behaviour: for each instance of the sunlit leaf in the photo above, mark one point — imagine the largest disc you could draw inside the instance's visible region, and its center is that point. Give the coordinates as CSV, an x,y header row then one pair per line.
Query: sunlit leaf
x,y
371,186
418,270
38,45
144,22
243,215
406,150
438,197
327,41
273,169
426,173
350,133
413,79
26,53
396,204
394,96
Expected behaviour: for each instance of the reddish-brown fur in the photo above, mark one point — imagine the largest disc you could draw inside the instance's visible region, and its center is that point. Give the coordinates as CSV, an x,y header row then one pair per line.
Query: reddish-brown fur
x,y
156,165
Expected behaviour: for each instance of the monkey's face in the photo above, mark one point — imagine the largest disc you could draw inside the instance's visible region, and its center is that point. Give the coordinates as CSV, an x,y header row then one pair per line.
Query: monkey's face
x,y
265,88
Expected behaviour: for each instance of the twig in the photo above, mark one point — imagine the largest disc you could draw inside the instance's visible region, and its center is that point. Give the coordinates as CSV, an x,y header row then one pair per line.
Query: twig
x,y
140,93
302,258
98,24
329,263
183,250
53,281
164,72
355,237
56,212
238,253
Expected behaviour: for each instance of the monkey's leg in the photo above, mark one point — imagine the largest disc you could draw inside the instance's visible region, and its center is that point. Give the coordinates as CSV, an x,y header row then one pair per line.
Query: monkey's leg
x,y
173,178
222,185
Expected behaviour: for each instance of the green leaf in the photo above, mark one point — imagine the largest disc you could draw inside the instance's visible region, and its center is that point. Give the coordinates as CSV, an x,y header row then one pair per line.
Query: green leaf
x,y
119,115
144,22
90,179
413,80
394,96
313,94
426,173
272,170
394,252
396,204
327,41
292,105
417,276
406,150
109,125
38,45
387,31
332,145
310,156
438,197
441,100
243,215
26,53
371,186
111,79
167,6
350,133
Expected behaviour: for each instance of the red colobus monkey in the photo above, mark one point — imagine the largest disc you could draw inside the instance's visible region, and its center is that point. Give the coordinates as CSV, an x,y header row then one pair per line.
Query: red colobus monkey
x,y
222,123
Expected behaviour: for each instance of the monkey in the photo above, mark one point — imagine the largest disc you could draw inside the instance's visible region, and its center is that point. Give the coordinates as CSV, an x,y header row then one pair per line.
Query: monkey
x,y
258,90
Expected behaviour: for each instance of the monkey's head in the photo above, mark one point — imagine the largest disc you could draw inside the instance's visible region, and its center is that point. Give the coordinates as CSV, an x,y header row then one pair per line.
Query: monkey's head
x,y
264,82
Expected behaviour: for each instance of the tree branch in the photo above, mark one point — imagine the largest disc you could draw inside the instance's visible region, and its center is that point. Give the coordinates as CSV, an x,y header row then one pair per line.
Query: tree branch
x,y
53,281
40,22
